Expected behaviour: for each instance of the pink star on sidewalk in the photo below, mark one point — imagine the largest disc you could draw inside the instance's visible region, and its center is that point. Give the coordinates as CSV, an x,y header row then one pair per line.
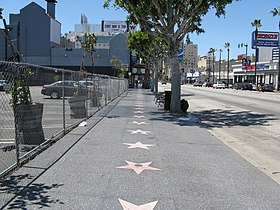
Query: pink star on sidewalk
x,y
138,131
138,167
139,123
138,112
129,206
138,116
139,145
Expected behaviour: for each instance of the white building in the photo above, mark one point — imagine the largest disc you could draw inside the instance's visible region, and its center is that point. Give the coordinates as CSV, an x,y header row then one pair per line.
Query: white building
x,y
85,27
114,26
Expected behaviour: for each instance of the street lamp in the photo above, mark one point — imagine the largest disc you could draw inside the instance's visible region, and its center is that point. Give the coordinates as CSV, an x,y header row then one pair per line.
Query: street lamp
x,y
220,60
227,46
256,24
241,45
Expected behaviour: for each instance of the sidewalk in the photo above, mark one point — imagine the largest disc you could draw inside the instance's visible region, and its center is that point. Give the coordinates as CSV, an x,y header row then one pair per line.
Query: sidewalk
x,y
134,155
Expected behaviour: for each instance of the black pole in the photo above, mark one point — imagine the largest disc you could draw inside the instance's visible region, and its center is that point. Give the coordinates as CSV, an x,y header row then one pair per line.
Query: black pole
x,y
220,60
213,66
228,69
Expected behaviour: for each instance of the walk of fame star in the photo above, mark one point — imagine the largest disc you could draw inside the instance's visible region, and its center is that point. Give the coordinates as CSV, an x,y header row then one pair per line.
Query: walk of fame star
x,y
138,116
138,167
139,123
139,145
129,206
138,131
138,112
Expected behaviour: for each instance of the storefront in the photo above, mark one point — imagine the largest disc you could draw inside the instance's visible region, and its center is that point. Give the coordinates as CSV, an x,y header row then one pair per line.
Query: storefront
x,y
266,73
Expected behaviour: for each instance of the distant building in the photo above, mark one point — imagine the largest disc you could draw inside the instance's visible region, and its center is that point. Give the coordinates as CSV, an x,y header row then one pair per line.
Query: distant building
x,y
36,34
85,27
114,26
191,55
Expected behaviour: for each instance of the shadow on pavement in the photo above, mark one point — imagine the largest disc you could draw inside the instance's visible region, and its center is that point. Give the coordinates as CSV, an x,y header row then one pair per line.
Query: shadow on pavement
x,y
215,118
34,194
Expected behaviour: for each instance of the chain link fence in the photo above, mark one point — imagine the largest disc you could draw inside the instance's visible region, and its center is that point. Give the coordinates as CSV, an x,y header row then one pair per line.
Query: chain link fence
x,y
38,105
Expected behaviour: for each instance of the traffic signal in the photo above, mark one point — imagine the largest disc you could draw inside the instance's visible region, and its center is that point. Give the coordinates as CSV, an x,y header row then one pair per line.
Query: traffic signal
x,y
1,9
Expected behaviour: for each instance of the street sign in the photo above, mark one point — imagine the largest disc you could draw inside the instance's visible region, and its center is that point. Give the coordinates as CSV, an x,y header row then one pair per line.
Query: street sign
x,y
265,39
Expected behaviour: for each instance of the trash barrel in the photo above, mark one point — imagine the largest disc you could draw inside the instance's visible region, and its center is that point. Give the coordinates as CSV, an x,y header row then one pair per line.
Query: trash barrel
x,y
167,100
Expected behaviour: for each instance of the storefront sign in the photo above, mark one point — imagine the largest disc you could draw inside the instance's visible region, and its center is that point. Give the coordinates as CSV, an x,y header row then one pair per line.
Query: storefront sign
x,y
265,39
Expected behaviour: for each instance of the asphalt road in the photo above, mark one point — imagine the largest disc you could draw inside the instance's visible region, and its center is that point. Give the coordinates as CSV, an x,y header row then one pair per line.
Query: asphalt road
x,y
246,121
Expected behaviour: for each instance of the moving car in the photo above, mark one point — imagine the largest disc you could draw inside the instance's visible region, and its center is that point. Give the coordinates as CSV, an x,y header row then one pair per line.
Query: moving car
x,y
243,86
219,85
207,84
266,87
198,84
54,90
4,85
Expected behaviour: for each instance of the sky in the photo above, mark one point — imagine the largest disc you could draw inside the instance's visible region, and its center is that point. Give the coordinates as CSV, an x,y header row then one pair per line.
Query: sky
x,y
235,27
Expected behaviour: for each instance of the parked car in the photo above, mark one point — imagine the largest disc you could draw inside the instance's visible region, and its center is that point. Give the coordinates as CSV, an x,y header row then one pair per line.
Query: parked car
x,y
219,85
243,86
54,90
266,87
207,84
4,85
198,84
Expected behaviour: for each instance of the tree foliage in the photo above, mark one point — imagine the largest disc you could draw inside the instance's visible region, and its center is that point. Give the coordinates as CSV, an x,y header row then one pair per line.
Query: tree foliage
x,y
170,20
275,11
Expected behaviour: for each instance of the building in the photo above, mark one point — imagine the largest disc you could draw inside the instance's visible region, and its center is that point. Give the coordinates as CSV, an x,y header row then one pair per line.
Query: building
x,y
114,26
36,34
191,55
85,27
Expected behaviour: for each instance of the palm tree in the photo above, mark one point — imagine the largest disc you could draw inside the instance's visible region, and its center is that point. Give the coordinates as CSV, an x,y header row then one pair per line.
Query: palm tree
x,y
276,12
227,46
256,23
213,50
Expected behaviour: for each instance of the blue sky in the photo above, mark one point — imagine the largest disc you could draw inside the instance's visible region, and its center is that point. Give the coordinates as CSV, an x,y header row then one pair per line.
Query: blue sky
x,y
235,27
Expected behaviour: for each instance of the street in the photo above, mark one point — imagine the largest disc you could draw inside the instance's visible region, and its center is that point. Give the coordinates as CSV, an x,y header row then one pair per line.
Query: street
x,y
246,121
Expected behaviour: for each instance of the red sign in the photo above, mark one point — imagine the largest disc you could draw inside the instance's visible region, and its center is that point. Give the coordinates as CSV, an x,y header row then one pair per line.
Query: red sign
x,y
249,67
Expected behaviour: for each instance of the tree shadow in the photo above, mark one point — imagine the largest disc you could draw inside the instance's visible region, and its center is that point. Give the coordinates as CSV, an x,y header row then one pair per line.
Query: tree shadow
x,y
215,118
33,194
182,119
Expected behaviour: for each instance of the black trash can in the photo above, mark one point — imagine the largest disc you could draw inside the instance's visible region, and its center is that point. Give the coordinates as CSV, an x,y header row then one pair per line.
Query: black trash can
x,y
167,99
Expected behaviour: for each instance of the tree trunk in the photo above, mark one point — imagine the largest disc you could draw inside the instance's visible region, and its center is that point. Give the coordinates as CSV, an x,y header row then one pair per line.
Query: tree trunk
x,y
156,74
175,105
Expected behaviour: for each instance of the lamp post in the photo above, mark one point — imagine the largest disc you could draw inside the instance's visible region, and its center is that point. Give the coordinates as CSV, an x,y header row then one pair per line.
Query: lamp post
x,y
256,24
241,45
227,46
220,60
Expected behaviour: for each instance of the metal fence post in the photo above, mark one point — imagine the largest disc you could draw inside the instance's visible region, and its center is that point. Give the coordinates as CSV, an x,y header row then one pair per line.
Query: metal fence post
x,y
63,103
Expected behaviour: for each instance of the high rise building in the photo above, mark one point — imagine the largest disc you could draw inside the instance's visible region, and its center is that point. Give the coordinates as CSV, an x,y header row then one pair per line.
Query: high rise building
x,y
85,27
191,55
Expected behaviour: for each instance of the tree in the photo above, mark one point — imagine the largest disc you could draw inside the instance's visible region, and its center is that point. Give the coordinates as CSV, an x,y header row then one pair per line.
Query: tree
x,y
87,41
117,66
212,51
276,12
256,23
148,48
170,21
